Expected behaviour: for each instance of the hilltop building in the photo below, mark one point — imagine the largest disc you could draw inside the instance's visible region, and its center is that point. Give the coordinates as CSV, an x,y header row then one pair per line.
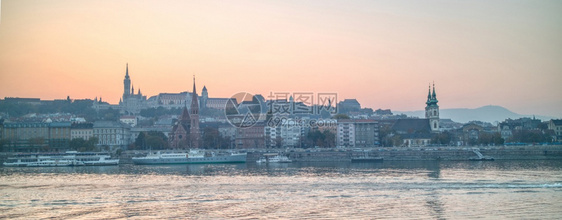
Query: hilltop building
x,y
131,103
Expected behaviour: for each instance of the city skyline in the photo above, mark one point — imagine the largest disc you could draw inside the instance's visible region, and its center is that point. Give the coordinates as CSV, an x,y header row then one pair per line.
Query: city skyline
x,y
384,54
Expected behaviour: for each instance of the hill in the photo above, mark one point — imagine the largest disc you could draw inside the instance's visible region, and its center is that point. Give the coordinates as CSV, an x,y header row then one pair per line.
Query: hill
x,y
489,113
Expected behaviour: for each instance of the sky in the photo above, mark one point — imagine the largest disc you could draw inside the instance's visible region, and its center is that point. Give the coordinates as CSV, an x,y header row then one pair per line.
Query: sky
x,y
383,53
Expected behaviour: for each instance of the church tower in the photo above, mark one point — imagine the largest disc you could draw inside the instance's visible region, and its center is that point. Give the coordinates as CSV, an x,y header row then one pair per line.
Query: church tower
x,y
204,97
194,113
432,110
126,83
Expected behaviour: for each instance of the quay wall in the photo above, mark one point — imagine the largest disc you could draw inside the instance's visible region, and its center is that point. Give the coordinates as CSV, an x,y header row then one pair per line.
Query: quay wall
x,y
391,154
403,154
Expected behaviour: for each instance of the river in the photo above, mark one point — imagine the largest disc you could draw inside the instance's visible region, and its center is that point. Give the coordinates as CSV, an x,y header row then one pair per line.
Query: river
x,y
388,190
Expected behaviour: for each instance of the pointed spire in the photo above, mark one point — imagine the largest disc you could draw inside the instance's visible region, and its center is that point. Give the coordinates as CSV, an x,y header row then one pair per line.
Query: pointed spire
x,y
132,89
140,92
194,102
433,96
127,71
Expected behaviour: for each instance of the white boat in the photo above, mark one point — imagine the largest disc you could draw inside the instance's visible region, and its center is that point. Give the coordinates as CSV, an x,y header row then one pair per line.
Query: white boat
x,y
274,159
70,158
193,157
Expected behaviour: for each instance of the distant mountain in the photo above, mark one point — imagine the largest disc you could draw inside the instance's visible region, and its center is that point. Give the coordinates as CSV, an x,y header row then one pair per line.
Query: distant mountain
x,y
489,113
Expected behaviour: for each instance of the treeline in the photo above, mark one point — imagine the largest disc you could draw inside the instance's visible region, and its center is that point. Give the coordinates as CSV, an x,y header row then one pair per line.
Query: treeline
x,y
81,108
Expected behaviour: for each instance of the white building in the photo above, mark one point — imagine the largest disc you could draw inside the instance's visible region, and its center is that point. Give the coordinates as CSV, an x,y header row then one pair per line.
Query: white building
x,y
112,134
288,134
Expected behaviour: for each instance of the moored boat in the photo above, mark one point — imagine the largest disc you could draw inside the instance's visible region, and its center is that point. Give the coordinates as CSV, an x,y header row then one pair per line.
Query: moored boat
x,y
274,158
366,159
69,158
192,157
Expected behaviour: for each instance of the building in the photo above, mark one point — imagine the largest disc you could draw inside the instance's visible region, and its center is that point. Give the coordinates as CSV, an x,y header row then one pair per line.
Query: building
x,y
131,103
432,110
180,136
194,115
36,136
204,97
250,137
289,133
357,133
59,135
346,133
349,105
556,126
81,130
112,135
172,100
508,126
218,103
186,132
25,136
131,120
416,140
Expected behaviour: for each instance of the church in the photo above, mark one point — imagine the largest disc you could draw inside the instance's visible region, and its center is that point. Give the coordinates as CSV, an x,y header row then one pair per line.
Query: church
x,y
417,132
185,133
131,103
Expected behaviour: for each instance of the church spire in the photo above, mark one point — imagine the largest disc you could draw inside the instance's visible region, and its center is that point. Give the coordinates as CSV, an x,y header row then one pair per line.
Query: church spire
x,y
127,71
194,101
434,96
126,83
194,129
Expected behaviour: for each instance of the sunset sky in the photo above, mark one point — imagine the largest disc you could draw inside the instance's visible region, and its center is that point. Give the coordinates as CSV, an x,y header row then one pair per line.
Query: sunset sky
x,y
383,53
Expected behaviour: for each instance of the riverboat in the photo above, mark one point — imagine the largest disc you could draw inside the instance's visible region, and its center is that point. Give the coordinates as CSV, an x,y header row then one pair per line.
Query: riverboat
x,y
69,158
274,159
192,157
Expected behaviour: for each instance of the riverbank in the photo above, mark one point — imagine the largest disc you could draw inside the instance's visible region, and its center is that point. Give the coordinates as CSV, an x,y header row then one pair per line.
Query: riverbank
x,y
401,154
447,153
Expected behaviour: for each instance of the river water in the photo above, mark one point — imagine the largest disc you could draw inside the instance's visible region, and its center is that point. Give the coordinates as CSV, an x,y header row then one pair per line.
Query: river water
x,y
398,189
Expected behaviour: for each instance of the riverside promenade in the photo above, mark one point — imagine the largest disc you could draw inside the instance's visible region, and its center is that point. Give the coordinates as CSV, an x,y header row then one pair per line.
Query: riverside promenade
x,y
459,153
428,153
445,153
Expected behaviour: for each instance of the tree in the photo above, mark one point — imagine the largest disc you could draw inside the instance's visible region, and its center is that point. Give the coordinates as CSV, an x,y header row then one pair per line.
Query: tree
x,y
91,144
530,136
329,139
151,140
442,138
211,138
140,141
3,142
78,144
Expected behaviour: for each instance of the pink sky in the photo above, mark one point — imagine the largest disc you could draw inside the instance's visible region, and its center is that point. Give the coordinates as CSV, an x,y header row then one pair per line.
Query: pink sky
x,y
383,53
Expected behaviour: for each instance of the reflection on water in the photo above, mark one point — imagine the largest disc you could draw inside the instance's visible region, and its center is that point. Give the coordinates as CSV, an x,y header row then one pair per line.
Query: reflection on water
x,y
392,189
